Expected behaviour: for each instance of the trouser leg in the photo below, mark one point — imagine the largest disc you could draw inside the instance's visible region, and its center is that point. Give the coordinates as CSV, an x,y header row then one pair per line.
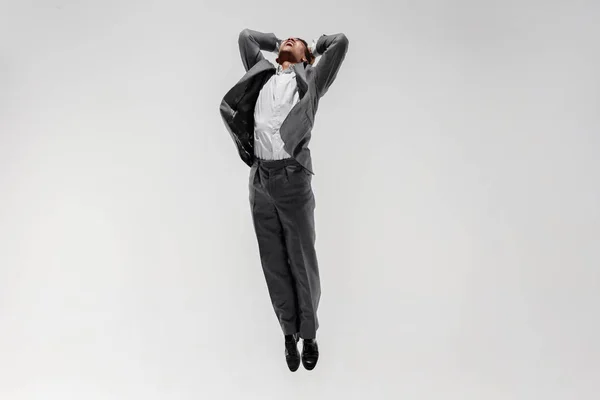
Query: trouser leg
x,y
295,202
273,253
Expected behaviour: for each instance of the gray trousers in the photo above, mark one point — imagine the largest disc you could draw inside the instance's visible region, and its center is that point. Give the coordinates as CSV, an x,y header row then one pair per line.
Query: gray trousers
x,y
283,204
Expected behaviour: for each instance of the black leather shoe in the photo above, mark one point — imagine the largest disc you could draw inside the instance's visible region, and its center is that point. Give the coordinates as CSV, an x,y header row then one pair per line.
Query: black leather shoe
x,y
292,357
310,353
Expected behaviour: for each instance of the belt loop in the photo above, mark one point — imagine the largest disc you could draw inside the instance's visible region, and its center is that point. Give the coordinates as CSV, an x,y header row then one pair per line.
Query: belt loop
x,y
287,178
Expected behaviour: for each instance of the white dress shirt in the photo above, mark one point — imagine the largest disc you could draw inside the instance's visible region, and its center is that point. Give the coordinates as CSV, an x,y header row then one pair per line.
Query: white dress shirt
x,y
275,100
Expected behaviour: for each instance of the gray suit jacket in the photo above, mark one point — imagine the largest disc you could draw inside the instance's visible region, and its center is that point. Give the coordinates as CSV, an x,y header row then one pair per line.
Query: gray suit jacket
x,y
237,106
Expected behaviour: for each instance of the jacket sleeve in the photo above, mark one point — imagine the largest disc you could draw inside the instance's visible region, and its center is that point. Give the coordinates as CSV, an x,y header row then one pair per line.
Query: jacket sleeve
x,y
332,49
252,42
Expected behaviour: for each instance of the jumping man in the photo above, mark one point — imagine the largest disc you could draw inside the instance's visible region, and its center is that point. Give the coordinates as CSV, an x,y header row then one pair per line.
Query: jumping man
x,y
269,114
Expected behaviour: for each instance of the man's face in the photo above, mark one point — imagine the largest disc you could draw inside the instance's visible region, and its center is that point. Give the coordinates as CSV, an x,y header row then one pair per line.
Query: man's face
x,y
294,47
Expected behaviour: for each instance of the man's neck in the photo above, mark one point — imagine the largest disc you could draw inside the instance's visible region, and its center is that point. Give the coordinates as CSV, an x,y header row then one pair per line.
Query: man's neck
x,y
286,64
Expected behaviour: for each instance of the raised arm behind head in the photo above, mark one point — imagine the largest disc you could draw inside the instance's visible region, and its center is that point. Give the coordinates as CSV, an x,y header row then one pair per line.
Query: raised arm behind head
x,y
251,42
332,49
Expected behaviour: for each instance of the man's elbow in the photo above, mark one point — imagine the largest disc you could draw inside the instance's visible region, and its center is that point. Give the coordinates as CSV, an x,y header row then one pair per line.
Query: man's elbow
x,y
342,41
244,34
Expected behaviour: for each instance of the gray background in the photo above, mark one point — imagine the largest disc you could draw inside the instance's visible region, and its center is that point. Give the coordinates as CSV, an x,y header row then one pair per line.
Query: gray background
x,y
457,187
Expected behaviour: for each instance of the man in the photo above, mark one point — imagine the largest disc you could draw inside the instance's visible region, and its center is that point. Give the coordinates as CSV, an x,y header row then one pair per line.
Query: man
x,y
269,114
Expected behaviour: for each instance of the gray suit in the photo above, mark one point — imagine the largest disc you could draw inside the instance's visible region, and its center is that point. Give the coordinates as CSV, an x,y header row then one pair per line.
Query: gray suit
x,y
237,106
281,196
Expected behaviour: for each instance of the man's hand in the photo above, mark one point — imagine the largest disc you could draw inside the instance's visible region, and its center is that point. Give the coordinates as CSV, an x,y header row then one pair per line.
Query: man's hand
x,y
313,48
276,51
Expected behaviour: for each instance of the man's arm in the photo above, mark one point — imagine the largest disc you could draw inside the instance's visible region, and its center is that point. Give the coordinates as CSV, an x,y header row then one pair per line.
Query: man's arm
x,y
332,49
252,42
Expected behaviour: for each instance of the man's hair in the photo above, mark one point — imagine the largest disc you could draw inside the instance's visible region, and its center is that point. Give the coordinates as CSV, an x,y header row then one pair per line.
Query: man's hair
x,y
309,56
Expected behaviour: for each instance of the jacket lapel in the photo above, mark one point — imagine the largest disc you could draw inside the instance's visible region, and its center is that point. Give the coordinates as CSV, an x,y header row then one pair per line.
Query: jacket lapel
x,y
261,66
301,78
238,91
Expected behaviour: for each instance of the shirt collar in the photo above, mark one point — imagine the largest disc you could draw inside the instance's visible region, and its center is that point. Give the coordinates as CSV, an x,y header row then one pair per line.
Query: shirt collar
x,y
280,69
